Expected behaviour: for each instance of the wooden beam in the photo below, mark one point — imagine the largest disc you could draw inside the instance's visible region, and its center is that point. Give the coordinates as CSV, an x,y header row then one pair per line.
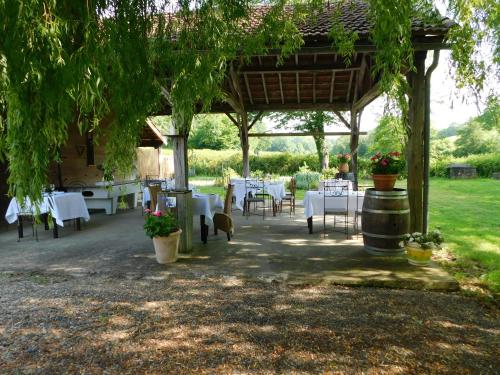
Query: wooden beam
x,y
344,121
349,88
332,84
367,98
314,88
281,89
298,89
265,88
248,88
307,134
301,69
256,118
296,59
232,119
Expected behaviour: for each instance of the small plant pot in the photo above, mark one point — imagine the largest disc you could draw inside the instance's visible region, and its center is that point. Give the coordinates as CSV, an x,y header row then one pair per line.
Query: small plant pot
x,y
344,168
384,182
418,256
167,248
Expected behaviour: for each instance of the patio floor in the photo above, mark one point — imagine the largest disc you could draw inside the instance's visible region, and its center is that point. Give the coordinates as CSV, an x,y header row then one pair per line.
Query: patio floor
x,y
278,248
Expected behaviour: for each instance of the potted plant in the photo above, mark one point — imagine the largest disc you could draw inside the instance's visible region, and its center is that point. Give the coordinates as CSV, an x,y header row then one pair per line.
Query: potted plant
x,y
165,232
419,246
343,160
385,169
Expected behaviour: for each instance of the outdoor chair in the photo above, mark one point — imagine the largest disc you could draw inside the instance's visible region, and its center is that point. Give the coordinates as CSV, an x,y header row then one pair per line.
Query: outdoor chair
x,y
255,194
290,196
26,214
224,220
153,196
334,190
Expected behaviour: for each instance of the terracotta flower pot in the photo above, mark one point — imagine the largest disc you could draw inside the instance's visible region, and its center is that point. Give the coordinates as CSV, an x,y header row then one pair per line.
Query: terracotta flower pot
x,y
384,182
167,248
417,255
344,168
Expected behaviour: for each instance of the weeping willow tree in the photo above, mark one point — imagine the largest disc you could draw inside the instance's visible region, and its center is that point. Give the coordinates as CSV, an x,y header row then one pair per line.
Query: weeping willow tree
x,y
113,62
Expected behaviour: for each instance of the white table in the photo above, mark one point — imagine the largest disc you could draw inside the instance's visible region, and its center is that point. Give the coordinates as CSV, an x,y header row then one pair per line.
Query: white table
x,y
315,202
274,189
62,206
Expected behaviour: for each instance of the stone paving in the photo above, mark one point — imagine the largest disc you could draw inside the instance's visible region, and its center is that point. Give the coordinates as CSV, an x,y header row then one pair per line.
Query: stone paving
x,y
277,248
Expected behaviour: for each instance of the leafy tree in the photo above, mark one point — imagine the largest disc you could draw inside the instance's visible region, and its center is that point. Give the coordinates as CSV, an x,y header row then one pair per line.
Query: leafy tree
x,y
474,139
389,135
314,122
100,64
490,118
213,132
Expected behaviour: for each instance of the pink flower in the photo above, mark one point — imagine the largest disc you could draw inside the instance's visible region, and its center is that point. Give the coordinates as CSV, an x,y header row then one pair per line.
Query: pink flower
x,y
147,211
157,213
384,162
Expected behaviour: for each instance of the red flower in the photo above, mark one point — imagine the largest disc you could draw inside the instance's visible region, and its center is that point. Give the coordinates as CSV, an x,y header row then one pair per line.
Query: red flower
x,y
384,162
157,213
147,211
373,158
395,153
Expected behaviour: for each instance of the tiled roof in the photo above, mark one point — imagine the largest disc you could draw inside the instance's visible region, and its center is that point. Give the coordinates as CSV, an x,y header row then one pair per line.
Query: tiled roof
x,y
354,16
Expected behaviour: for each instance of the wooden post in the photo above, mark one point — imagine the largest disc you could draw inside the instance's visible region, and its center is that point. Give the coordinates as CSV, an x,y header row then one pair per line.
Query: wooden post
x,y
184,201
354,124
416,116
244,142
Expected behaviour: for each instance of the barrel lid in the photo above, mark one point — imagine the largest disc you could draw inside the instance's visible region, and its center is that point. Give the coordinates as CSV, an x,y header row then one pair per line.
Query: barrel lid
x,y
392,193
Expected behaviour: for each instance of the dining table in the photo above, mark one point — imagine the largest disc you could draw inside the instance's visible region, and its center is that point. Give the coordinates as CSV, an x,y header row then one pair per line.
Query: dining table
x,y
276,189
315,203
60,205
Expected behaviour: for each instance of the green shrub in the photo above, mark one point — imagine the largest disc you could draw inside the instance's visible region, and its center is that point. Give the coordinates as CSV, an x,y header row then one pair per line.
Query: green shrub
x,y
485,164
329,173
212,162
307,179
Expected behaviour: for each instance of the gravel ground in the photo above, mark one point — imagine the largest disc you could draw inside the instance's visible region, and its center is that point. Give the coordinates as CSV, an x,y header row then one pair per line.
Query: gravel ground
x,y
56,324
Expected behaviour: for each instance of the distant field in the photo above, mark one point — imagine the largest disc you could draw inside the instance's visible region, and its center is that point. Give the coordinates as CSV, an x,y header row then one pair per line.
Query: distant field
x,y
468,213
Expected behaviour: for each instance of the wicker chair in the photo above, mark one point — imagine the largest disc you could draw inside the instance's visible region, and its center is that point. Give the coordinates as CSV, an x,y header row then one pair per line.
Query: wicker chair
x,y
223,220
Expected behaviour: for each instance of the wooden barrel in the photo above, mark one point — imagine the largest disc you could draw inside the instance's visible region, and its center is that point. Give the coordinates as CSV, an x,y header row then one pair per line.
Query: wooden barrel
x,y
384,221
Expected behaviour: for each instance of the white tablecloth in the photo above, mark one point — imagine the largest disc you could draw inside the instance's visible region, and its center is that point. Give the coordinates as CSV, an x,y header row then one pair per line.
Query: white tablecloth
x,y
275,189
65,206
206,204
314,202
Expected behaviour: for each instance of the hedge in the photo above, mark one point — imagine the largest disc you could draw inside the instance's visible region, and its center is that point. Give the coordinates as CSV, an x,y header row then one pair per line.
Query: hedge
x,y
485,164
211,162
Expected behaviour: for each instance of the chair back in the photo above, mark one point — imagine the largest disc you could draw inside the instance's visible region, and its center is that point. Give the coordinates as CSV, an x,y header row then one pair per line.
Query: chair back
x,y
254,187
228,200
293,186
153,194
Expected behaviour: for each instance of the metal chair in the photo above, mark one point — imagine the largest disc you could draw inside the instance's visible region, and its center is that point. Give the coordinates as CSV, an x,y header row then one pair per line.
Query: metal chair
x,y
26,212
255,193
338,191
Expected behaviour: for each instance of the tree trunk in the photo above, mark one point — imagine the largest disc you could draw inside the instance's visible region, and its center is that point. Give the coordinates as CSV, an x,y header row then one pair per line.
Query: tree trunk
x,y
182,125
245,144
322,151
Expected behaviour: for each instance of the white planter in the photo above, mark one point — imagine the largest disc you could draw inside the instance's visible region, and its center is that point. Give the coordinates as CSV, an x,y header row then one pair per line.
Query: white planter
x,y
167,248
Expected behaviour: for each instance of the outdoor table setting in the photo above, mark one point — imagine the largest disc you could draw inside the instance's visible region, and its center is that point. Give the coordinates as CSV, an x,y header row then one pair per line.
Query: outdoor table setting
x,y
276,189
61,206
315,202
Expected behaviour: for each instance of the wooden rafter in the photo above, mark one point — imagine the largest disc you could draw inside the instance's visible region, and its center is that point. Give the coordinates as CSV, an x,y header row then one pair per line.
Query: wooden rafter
x,y
235,122
256,118
281,89
349,87
298,89
249,92
303,69
265,87
360,78
367,98
296,59
332,85
314,87
308,134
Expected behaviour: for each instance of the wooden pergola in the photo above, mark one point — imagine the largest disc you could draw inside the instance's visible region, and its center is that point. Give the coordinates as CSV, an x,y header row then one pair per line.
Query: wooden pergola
x,y
318,78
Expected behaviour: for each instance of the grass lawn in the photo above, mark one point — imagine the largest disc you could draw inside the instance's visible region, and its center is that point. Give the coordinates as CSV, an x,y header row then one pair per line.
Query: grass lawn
x,y
468,213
